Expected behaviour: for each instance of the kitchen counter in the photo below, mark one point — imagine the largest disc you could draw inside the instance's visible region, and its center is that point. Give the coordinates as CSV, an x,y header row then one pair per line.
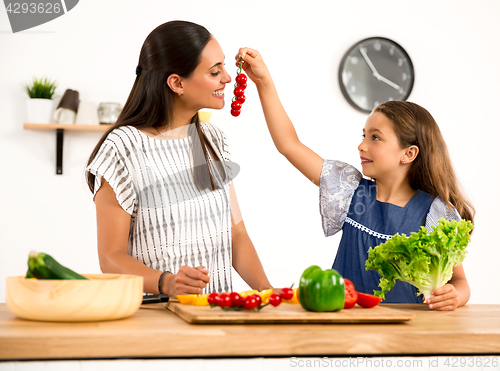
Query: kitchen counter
x,y
154,332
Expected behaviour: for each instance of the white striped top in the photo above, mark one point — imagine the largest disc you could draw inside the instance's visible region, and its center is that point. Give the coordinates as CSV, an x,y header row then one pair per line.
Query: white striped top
x,y
172,222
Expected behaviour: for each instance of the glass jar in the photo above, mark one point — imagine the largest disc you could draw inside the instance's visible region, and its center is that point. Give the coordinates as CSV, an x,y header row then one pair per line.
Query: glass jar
x,y
109,112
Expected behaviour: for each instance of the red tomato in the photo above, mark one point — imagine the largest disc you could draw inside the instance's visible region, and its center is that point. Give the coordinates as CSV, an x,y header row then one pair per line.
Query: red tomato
x,y
275,300
242,99
236,105
244,86
286,293
236,299
351,295
224,300
239,91
235,112
367,300
258,299
241,79
213,298
250,302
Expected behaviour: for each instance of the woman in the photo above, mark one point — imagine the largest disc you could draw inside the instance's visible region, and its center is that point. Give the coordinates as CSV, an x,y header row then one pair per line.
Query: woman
x,y
166,207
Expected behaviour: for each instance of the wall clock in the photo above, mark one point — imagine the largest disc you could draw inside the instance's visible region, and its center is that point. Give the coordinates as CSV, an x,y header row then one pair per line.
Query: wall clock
x,y
373,71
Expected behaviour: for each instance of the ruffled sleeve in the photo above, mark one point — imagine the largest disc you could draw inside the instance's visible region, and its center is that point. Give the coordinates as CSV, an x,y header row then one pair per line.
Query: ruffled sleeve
x,y
440,210
108,163
337,185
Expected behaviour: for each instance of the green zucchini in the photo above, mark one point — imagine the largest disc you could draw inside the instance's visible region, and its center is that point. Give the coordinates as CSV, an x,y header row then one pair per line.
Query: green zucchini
x,y
44,266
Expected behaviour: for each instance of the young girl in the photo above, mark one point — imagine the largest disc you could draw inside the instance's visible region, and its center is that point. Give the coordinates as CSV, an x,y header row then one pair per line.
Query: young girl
x,y
161,179
411,184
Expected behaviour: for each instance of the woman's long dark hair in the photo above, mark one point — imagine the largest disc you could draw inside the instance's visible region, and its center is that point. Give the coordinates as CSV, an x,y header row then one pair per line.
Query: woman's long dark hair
x,y
432,170
172,48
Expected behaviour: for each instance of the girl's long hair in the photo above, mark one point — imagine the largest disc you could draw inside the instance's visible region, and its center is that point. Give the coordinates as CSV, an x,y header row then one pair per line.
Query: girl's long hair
x,y
432,170
172,48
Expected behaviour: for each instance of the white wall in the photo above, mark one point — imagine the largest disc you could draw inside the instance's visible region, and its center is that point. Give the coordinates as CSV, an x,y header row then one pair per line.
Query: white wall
x,y
95,47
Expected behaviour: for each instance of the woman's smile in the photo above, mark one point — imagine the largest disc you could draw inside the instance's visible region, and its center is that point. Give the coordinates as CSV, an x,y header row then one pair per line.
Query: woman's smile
x,y
219,93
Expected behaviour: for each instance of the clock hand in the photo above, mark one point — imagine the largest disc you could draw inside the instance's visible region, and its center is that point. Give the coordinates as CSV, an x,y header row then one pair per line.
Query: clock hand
x,y
377,75
369,62
388,82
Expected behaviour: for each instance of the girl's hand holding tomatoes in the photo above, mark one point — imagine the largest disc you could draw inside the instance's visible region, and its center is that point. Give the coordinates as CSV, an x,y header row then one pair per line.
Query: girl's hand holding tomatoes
x,y
253,65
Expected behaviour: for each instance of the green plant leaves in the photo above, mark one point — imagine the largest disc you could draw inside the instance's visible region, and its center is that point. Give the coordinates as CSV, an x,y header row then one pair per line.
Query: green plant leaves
x,y
41,88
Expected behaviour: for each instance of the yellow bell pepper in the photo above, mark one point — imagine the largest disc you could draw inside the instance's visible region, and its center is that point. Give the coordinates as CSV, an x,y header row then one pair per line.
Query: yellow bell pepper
x,y
265,294
295,297
185,299
244,294
200,300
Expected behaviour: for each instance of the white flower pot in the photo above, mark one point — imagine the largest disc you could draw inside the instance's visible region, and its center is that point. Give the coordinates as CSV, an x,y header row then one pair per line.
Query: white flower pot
x,y
39,110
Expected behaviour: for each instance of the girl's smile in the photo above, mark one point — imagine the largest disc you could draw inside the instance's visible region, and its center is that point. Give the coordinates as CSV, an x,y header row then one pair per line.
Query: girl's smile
x,y
365,161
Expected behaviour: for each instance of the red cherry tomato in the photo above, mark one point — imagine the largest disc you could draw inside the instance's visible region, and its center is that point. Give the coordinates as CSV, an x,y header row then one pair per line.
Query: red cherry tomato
x,y
241,79
239,91
242,99
367,300
236,105
236,299
250,302
258,299
351,295
244,86
224,300
213,298
275,300
235,112
286,293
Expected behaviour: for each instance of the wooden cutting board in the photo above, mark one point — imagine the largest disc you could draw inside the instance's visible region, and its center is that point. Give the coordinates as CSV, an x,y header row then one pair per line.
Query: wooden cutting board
x,y
287,313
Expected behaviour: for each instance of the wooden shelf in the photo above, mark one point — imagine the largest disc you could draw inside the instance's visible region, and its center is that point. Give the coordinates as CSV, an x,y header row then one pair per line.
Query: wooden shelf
x,y
60,128
71,127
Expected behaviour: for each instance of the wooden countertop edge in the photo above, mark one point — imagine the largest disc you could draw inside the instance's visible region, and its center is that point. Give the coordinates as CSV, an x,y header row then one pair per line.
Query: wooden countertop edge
x,y
16,349
431,333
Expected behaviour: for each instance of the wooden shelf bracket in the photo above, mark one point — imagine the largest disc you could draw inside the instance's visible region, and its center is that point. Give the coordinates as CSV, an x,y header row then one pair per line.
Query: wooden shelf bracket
x,y
60,129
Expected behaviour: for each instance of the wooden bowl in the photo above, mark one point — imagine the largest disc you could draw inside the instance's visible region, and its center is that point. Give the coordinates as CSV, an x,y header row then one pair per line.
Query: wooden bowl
x,y
102,297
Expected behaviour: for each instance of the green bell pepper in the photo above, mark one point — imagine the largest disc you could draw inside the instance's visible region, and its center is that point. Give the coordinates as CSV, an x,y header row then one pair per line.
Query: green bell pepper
x,y
321,290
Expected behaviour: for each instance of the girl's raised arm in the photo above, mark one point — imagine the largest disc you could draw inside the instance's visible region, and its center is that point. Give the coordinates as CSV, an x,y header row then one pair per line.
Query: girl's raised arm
x,y
281,128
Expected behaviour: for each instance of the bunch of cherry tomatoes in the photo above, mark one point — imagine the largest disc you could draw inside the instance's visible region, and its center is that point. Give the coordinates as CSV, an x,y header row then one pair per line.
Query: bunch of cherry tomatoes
x,y
235,301
239,91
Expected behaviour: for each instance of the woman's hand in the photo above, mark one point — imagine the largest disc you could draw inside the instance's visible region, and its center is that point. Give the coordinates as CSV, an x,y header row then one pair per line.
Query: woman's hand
x,y
444,298
253,65
188,280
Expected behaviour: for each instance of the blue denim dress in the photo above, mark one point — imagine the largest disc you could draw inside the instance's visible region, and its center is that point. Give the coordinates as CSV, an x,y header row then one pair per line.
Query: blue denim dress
x,y
348,202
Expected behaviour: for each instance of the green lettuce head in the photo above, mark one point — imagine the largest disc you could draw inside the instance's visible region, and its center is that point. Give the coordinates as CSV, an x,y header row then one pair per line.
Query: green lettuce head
x,y
425,260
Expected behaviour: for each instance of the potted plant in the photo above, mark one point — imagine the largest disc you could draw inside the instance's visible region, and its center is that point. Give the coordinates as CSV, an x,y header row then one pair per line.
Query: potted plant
x,y
39,106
